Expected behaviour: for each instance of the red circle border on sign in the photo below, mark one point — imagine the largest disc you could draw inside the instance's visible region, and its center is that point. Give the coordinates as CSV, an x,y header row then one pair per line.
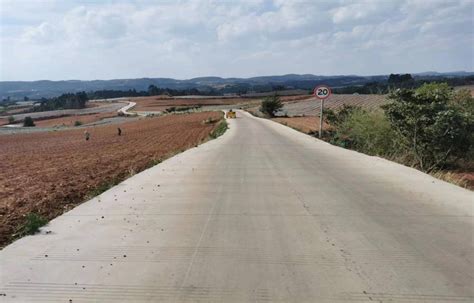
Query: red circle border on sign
x,y
322,85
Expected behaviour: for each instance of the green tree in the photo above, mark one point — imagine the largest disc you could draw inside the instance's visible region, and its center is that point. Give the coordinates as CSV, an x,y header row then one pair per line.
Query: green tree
x,y
431,127
270,105
28,122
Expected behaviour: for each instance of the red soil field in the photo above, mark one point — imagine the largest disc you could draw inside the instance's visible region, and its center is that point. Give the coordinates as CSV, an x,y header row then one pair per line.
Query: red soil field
x,y
50,172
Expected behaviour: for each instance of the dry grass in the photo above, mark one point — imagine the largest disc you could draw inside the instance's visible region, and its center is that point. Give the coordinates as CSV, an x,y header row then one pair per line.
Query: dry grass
x,y
465,180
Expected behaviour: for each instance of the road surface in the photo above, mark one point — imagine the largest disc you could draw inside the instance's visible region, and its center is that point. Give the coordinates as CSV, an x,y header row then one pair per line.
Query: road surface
x,y
261,214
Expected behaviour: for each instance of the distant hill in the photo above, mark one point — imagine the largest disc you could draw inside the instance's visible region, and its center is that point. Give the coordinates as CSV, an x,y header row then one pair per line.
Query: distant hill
x,y
17,90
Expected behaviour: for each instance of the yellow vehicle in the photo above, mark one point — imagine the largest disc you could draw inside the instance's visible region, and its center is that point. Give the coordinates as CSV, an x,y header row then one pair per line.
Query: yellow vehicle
x,y
230,114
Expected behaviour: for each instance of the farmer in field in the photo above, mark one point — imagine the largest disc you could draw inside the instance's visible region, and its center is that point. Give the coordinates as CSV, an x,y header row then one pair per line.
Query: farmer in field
x,y
119,131
87,135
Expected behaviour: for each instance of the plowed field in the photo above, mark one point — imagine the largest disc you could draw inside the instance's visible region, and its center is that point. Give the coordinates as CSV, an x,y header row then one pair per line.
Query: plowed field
x,y
48,173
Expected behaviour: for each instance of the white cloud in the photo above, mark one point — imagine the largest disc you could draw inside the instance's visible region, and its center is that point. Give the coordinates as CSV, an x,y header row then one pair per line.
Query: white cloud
x,y
80,39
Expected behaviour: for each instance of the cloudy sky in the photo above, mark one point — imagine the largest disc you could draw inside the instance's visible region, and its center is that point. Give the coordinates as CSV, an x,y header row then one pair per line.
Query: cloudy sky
x,y
59,39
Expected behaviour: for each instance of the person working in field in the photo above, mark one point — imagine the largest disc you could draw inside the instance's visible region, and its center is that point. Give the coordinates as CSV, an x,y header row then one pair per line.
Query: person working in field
x,y
119,131
87,135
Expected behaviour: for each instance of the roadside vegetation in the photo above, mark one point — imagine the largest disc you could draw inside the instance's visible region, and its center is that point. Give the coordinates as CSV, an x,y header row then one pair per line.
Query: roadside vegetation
x,y
31,225
430,128
219,130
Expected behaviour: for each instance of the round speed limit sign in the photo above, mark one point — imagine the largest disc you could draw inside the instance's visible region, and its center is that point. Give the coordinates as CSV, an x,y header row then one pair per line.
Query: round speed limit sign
x,y
322,92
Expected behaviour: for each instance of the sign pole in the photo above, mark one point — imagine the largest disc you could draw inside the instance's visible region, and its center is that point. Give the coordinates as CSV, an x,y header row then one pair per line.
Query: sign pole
x,y
322,92
321,119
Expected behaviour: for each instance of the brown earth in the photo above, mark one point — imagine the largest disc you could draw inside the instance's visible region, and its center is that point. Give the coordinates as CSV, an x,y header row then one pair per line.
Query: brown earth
x,y
306,125
467,178
50,172
70,120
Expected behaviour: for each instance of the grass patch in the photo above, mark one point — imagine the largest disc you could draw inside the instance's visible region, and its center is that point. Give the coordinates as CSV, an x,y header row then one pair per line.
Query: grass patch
x,y
155,162
219,130
104,186
32,224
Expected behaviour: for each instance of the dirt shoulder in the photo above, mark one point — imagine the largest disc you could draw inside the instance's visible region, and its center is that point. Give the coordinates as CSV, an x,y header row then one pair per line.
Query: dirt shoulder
x,y
307,125
49,173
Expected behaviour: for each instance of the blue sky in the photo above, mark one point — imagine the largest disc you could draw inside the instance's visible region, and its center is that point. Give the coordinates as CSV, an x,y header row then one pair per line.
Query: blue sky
x,y
56,39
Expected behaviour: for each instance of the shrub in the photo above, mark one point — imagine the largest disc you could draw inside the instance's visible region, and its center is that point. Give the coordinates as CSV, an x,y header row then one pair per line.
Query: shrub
x,y
270,105
369,132
77,123
28,122
11,120
335,118
433,129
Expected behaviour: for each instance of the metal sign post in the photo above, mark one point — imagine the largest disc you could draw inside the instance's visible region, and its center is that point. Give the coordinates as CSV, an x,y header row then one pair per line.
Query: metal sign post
x,y
322,92
321,119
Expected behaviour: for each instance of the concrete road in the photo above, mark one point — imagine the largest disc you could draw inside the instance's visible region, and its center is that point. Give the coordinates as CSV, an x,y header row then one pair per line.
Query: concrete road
x,y
262,214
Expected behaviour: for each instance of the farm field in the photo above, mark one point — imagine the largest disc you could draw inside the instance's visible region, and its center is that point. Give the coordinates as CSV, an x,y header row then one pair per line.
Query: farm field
x,y
311,107
160,103
307,105
92,108
50,172
70,120
157,103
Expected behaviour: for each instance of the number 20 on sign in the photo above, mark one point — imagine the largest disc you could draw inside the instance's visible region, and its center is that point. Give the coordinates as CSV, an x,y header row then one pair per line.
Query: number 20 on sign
x,y
322,92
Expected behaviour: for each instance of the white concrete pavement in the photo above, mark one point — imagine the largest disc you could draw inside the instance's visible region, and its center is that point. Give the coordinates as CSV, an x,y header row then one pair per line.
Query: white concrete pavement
x,y
261,214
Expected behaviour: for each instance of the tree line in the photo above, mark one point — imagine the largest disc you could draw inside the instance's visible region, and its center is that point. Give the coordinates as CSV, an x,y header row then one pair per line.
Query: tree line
x,y
397,81
65,101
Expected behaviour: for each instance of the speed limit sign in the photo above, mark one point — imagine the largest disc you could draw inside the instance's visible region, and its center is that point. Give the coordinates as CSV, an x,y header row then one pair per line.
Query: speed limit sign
x,y
322,92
